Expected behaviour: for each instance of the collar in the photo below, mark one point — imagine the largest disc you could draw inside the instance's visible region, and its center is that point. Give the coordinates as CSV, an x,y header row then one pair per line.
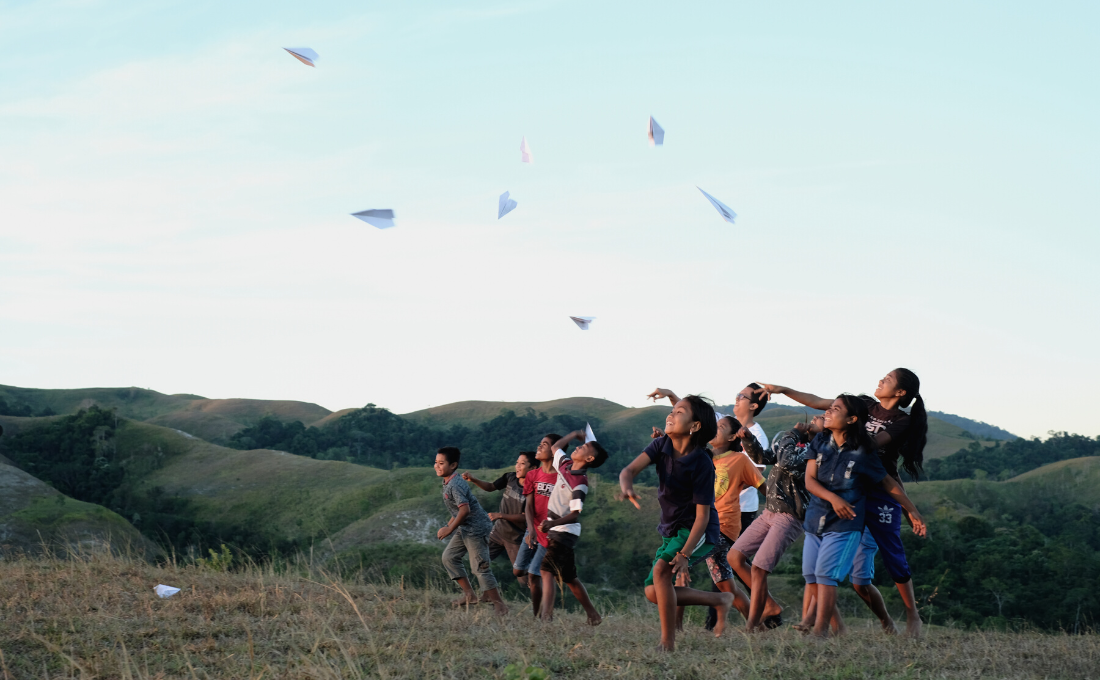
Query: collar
x,y
447,480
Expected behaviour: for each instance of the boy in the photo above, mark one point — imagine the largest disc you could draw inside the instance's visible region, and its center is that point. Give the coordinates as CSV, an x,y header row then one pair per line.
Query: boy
x,y
562,525
748,404
538,485
469,531
509,523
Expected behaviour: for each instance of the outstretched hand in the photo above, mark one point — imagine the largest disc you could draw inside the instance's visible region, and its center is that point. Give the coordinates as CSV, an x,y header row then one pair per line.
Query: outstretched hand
x,y
628,496
767,390
659,393
657,433
466,476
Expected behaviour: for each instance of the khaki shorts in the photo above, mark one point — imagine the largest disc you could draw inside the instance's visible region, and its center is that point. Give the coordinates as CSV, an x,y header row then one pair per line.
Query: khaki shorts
x,y
768,537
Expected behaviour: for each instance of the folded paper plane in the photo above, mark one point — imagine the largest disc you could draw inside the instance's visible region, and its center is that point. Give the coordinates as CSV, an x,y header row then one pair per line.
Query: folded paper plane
x,y
582,321
383,219
723,209
303,54
589,436
656,133
163,591
525,154
506,206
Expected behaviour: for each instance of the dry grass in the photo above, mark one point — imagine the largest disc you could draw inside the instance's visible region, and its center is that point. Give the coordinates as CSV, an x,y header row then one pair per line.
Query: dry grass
x,y
97,617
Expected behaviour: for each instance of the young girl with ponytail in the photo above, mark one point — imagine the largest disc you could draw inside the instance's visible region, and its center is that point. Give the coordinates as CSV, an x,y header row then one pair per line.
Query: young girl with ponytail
x,y
896,434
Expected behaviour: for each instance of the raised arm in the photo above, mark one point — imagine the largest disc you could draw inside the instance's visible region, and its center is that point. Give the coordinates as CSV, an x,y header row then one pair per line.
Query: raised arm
x,y
751,446
662,393
483,485
577,435
804,398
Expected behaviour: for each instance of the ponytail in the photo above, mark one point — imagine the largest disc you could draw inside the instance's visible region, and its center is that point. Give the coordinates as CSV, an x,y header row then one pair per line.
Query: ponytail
x,y
916,436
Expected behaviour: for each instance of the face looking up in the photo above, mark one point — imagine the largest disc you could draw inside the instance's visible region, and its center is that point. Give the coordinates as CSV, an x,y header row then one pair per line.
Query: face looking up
x,y
888,387
743,408
722,440
522,466
837,418
543,451
681,421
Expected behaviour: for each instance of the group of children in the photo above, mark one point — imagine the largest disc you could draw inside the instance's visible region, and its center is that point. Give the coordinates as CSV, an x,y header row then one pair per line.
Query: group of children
x,y
834,479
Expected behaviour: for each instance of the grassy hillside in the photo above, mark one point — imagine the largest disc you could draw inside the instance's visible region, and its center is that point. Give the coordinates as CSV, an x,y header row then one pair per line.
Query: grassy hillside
x,y
33,514
100,619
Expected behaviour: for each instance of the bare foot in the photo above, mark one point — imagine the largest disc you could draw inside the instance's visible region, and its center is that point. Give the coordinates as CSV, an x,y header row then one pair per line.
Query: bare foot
x,y
463,601
889,628
499,608
485,598
595,620
663,648
913,626
723,610
803,627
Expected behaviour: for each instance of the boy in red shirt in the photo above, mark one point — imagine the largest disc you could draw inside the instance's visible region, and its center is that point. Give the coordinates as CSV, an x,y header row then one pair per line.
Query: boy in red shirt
x,y
538,484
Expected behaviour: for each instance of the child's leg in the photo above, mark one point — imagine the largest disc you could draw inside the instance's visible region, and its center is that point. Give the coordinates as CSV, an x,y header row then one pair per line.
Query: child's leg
x,y
546,607
863,574
884,520
721,572
913,625
581,594
759,598
478,547
834,561
664,594
826,609
452,562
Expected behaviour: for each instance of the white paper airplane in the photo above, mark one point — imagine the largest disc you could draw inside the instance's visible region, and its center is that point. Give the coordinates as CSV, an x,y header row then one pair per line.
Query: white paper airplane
x,y
525,154
589,436
582,321
506,206
656,133
303,54
163,591
723,209
383,219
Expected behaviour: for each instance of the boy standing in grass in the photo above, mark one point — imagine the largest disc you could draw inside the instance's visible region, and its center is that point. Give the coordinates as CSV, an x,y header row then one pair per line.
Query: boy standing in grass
x,y
509,523
562,523
469,530
538,485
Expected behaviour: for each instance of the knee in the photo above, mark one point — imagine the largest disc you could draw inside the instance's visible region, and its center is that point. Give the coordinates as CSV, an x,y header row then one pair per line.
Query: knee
x,y
864,591
662,570
651,594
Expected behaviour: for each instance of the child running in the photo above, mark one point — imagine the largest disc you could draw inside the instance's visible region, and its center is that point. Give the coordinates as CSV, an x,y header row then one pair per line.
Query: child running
x,y
689,525
510,521
538,485
896,434
562,523
845,464
780,525
747,405
733,472
469,530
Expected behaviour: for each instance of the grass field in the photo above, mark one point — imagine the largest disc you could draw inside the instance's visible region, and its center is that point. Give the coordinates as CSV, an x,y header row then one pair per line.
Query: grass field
x,y
97,617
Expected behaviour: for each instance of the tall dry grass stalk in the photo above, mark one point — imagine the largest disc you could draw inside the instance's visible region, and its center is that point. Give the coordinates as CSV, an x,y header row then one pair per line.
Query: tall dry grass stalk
x,y
95,616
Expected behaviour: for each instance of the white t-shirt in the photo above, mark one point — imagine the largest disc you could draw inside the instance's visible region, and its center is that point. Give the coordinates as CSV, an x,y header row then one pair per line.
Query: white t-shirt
x,y
750,498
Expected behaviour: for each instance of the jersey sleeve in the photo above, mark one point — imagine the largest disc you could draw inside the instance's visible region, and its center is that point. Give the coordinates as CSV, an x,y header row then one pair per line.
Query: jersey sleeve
x,y
558,456
529,484
462,494
654,449
501,482
751,477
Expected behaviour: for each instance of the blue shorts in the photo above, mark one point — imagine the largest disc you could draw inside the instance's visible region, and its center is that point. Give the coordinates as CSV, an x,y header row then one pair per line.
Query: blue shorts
x,y
530,559
883,530
827,559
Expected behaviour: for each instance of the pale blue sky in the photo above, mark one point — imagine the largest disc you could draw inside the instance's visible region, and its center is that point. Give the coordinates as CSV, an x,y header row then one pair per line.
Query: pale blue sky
x,y
916,185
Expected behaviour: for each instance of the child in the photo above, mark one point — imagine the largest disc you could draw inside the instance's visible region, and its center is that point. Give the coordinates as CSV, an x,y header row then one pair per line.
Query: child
x,y
780,525
510,522
538,484
469,531
747,405
733,472
562,525
689,523
896,434
845,464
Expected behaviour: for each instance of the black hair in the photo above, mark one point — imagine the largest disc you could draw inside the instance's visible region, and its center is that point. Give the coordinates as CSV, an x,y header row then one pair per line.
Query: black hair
x,y
530,456
916,436
702,409
451,453
857,431
601,456
759,398
552,437
735,427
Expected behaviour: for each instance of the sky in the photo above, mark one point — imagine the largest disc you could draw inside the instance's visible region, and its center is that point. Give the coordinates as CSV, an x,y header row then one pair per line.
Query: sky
x,y
916,185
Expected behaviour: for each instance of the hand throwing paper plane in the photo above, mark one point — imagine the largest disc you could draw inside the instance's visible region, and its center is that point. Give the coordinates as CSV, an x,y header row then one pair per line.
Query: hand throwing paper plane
x,y
525,154
303,54
582,321
165,592
723,209
506,206
589,436
656,133
383,219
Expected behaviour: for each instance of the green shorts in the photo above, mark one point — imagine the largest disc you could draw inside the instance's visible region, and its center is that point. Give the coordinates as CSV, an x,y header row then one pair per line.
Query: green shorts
x,y
671,546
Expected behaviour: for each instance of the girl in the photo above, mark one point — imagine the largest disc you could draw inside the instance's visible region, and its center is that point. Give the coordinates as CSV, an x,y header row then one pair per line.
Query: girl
x,y
897,435
689,524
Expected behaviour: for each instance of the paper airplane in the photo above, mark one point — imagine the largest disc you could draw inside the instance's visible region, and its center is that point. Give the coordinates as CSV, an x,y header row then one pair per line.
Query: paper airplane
x,y
506,206
383,219
303,54
588,434
163,591
656,133
525,154
582,321
723,209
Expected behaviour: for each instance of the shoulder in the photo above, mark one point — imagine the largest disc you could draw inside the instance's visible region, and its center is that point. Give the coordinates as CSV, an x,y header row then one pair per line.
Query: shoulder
x,y
870,401
656,448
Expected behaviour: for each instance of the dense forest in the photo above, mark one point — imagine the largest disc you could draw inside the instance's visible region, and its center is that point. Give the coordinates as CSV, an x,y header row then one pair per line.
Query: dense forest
x,y
1004,460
